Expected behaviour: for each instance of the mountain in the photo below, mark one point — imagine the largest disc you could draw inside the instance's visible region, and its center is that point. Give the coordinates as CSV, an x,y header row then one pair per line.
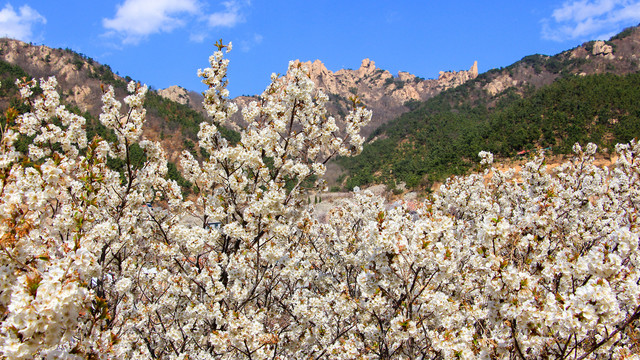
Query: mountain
x,y
175,108
423,130
586,94
173,123
80,77
386,95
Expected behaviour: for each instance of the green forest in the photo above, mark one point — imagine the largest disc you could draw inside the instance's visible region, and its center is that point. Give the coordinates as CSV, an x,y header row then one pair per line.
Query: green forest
x,y
442,136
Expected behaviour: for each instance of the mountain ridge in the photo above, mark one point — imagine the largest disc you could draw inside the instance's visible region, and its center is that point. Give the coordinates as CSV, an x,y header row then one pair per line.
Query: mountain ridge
x,y
174,122
386,95
539,101
379,90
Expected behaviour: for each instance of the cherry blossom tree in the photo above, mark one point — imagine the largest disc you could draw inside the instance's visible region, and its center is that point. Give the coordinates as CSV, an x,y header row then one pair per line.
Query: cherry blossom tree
x,y
527,265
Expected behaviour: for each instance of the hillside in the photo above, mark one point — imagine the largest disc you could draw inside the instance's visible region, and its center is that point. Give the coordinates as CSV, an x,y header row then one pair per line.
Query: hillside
x,y
174,113
589,93
80,78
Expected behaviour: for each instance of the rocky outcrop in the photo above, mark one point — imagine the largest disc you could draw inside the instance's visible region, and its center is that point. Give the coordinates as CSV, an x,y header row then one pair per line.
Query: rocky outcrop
x,y
499,84
450,79
81,95
175,93
369,77
600,48
379,90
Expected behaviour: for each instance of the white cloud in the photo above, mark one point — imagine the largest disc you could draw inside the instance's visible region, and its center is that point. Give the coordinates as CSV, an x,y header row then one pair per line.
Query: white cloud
x,y
590,19
581,10
228,18
137,19
231,16
19,25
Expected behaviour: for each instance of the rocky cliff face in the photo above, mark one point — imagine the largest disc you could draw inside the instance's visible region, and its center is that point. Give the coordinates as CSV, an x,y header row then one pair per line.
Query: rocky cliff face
x,y
379,90
603,49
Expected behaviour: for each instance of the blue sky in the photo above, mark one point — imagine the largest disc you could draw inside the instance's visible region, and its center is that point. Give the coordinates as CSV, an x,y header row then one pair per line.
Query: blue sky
x,y
164,42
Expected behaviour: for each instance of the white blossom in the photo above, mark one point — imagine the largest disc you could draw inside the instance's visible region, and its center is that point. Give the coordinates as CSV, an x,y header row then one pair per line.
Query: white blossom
x,y
531,264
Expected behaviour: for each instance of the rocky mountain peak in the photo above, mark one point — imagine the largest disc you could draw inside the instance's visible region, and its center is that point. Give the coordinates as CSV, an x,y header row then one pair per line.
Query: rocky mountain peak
x,y
378,89
367,67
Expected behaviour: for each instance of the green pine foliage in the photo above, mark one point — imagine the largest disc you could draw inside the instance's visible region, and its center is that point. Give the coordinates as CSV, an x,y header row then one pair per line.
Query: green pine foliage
x,y
8,75
443,136
179,117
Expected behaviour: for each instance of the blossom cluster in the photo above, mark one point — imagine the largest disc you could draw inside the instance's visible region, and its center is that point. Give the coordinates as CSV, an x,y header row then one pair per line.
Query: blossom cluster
x,y
535,264
497,265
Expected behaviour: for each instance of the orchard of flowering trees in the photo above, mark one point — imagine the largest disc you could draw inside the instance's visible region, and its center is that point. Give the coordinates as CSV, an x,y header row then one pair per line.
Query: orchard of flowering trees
x,y
504,265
